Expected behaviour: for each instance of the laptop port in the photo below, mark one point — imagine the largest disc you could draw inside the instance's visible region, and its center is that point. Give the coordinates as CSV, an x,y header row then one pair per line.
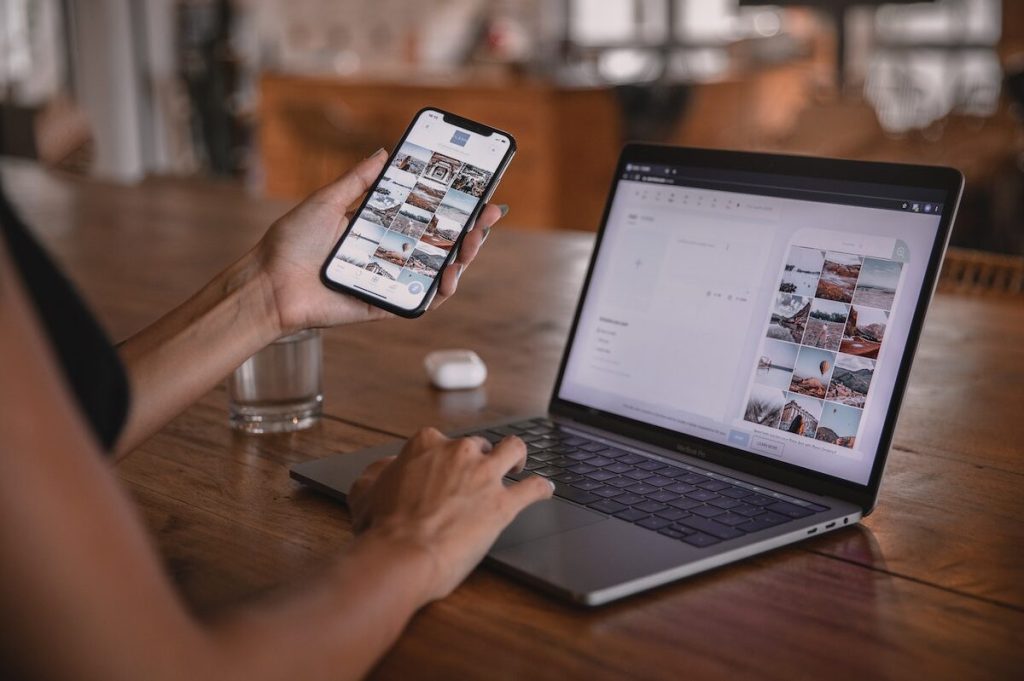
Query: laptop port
x,y
830,526
812,530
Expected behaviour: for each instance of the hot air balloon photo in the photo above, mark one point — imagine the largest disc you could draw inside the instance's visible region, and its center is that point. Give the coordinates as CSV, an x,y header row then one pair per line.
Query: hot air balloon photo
x,y
812,371
392,253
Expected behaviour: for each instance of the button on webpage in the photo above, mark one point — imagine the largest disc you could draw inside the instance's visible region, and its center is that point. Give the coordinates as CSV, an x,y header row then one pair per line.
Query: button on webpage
x,y
765,446
739,438
415,287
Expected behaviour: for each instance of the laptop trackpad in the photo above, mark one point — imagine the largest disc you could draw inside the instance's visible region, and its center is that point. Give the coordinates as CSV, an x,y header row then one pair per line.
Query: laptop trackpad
x,y
543,519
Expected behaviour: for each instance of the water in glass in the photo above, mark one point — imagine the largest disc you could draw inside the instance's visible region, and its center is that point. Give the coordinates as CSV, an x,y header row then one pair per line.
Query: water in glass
x,y
279,388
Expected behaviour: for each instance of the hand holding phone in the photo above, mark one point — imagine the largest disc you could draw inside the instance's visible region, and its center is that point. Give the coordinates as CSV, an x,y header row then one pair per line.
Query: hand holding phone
x,y
410,226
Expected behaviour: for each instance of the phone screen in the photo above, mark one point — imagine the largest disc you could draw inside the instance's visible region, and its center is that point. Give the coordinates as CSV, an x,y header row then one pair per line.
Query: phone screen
x,y
433,185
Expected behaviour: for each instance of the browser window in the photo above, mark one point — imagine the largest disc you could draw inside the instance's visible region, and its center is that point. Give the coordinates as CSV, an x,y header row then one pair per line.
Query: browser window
x,y
769,316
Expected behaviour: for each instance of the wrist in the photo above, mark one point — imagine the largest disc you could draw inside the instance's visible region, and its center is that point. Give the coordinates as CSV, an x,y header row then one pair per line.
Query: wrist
x,y
413,561
248,278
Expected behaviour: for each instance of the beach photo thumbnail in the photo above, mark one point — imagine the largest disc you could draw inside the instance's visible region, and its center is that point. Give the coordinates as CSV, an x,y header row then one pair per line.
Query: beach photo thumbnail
x,y
775,365
877,284
400,177
412,158
838,425
764,406
360,243
864,331
839,276
441,168
789,317
851,380
384,202
826,323
800,415
457,206
812,372
364,229
802,271
472,180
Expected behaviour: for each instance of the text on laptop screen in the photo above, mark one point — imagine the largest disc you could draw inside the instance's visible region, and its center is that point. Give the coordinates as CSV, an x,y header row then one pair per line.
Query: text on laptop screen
x,y
765,313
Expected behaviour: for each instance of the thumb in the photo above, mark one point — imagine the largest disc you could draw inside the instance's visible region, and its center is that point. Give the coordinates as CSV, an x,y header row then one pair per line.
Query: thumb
x,y
343,192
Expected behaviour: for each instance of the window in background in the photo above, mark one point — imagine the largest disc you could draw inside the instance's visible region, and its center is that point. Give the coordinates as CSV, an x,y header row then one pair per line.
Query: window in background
x,y
707,20
934,59
624,22
385,37
31,51
706,26
624,41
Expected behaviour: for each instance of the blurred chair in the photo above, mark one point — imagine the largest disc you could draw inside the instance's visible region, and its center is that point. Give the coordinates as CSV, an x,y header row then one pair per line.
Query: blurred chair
x,y
980,273
651,111
57,134
330,139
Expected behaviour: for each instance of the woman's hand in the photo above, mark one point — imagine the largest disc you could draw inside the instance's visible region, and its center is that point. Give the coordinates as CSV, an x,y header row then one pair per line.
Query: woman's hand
x,y
293,250
444,498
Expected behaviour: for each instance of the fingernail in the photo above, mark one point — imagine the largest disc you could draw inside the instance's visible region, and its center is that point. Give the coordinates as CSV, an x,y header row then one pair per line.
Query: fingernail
x,y
377,153
458,272
487,233
550,483
503,207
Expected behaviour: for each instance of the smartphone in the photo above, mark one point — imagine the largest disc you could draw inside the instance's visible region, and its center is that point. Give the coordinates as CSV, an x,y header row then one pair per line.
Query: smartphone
x,y
409,227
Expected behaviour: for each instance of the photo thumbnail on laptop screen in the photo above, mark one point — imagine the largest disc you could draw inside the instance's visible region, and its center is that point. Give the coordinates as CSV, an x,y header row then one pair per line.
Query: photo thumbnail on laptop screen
x,y
398,243
753,311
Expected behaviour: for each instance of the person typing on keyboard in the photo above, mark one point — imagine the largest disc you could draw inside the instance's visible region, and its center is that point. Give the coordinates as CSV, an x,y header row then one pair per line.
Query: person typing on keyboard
x,y
82,591
676,500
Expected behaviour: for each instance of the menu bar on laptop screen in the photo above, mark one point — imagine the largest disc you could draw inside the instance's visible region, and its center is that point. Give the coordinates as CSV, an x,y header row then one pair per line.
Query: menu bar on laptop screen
x,y
765,312
865,194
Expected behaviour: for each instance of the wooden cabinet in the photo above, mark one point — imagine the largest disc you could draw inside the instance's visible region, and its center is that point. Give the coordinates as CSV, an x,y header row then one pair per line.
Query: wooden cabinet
x,y
312,129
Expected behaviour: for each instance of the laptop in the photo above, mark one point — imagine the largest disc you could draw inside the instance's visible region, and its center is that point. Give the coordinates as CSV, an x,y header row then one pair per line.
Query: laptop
x,y
733,371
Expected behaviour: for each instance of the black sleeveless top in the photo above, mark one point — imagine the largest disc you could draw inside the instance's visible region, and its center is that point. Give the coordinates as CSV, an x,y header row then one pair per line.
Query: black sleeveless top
x,y
89,362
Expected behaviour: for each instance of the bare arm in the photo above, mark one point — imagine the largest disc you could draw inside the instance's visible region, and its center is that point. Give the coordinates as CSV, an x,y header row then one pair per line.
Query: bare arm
x,y
83,595
182,356
273,290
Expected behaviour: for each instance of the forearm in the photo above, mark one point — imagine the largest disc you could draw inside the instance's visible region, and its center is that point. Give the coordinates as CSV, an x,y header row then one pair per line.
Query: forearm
x,y
76,564
272,290
187,352
337,627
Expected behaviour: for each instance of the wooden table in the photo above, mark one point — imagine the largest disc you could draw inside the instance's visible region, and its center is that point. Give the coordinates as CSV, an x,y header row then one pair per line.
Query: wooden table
x,y
928,587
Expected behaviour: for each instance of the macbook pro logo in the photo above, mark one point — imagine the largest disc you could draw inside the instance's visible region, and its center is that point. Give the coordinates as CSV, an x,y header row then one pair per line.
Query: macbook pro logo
x,y
460,138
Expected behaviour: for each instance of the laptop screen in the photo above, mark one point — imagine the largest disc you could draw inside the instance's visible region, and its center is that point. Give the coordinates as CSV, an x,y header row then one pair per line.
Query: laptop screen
x,y
764,312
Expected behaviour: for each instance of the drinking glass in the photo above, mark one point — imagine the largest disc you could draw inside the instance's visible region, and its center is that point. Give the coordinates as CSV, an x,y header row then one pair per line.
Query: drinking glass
x,y
278,389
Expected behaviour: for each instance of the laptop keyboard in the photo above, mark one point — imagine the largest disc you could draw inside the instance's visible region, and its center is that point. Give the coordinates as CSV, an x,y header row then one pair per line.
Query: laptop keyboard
x,y
676,500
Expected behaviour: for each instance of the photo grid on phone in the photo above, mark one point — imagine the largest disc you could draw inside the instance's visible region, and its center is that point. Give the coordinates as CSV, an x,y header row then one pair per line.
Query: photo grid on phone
x,y
817,361
414,216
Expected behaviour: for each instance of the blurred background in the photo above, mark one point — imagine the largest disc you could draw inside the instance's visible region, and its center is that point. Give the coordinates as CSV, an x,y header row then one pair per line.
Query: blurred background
x,y
279,96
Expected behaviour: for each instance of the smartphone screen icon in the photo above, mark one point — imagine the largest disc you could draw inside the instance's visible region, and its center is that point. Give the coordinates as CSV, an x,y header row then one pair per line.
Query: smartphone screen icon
x,y
412,220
